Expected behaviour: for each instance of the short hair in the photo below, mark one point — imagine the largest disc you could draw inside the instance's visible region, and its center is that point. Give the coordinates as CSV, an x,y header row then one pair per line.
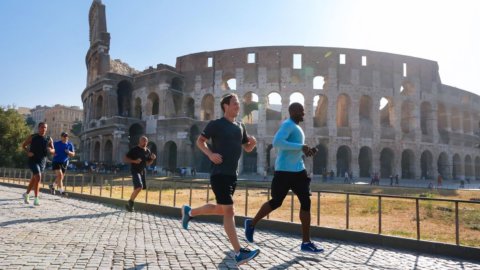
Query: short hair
x,y
226,100
42,123
294,106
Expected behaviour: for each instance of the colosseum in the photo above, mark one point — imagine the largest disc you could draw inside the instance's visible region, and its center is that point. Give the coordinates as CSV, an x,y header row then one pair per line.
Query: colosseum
x,y
366,111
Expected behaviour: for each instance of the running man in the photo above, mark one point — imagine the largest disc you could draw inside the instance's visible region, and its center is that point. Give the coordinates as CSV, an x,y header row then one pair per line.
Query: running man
x,y
228,137
289,174
63,151
37,146
139,157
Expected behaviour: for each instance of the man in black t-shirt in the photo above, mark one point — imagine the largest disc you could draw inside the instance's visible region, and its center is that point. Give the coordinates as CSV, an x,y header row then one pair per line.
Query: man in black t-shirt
x,y
37,146
228,138
139,157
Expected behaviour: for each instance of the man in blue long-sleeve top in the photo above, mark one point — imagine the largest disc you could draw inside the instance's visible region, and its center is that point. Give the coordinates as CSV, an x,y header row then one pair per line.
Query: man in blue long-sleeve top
x,y
289,174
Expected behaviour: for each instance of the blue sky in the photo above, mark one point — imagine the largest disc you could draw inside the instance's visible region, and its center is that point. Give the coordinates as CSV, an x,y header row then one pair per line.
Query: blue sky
x,y
44,42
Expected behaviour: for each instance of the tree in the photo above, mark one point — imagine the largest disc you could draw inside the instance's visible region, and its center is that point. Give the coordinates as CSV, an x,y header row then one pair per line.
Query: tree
x,y
13,131
77,128
30,122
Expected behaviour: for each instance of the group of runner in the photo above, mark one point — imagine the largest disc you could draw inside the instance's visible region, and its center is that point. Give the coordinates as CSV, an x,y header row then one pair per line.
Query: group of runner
x,y
37,147
228,137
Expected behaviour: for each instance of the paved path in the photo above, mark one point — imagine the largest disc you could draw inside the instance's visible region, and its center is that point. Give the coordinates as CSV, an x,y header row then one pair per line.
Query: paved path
x,y
74,234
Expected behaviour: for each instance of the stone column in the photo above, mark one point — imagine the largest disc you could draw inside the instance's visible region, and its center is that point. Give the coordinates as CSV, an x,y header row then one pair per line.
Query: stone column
x,y
261,156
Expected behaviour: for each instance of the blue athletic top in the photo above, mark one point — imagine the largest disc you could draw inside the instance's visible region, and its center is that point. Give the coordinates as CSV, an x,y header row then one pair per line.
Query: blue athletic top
x,y
289,141
60,154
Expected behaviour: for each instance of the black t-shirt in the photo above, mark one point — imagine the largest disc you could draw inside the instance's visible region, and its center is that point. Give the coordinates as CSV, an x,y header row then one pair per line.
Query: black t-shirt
x,y
227,139
136,153
38,147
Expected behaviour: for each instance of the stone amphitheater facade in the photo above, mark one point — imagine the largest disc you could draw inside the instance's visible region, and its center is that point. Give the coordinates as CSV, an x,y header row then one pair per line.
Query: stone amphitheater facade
x,y
366,111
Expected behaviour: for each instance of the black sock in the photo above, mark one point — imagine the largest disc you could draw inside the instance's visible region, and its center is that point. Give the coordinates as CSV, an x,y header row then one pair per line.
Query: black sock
x,y
130,202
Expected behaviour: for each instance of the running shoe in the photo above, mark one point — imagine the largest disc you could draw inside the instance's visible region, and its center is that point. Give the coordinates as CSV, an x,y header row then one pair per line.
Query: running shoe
x,y
246,255
129,207
186,216
310,247
52,189
36,202
249,230
26,198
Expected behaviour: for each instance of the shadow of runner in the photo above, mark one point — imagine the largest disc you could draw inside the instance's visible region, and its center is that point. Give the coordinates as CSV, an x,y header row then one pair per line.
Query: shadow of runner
x,y
294,261
228,262
56,219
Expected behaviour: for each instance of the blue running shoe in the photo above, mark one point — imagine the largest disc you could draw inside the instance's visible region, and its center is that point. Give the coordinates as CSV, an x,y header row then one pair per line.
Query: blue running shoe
x,y
310,247
249,230
246,255
186,216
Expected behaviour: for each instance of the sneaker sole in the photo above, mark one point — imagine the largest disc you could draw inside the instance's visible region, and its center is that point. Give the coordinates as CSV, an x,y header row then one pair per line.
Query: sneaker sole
x,y
311,251
249,259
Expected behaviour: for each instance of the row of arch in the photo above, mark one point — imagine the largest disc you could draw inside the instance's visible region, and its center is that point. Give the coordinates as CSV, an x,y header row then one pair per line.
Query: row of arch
x,y
320,110
459,121
454,167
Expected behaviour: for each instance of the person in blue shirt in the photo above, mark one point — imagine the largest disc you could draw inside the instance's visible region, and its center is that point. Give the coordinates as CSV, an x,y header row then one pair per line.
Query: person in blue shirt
x,y
63,151
289,174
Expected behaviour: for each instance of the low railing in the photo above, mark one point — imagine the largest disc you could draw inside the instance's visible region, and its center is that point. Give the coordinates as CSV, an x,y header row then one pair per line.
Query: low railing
x,y
422,218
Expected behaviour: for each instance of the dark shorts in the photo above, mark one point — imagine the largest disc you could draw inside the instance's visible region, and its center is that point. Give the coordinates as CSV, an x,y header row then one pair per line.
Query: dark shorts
x,y
298,182
223,187
59,166
37,167
138,180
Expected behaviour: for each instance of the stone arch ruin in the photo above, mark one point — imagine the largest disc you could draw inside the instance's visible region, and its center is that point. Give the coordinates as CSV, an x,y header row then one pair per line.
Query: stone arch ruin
x,y
363,111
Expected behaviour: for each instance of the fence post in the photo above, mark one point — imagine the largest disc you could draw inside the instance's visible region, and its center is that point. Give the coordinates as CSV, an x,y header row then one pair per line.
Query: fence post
x,y
246,200
91,184
111,187
291,208
101,186
268,199
83,180
123,178
417,207
457,229
174,194
160,194
347,211
73,186
208,192
379,214
146,195
318,208
190,198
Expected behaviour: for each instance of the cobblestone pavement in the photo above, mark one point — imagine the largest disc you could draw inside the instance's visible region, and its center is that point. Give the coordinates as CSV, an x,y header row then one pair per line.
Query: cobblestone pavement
x,y
66,233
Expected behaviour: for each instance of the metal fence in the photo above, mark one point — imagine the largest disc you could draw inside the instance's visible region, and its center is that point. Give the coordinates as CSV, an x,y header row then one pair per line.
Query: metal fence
x,y
423,218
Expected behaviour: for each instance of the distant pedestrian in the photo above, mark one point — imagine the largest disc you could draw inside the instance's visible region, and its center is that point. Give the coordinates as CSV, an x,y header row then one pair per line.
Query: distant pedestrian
x,y
391,180
439,180
396,180
139,157
37,146
346,179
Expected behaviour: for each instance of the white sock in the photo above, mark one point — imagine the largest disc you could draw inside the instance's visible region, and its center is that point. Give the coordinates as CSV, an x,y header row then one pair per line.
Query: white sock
x,y
61,190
